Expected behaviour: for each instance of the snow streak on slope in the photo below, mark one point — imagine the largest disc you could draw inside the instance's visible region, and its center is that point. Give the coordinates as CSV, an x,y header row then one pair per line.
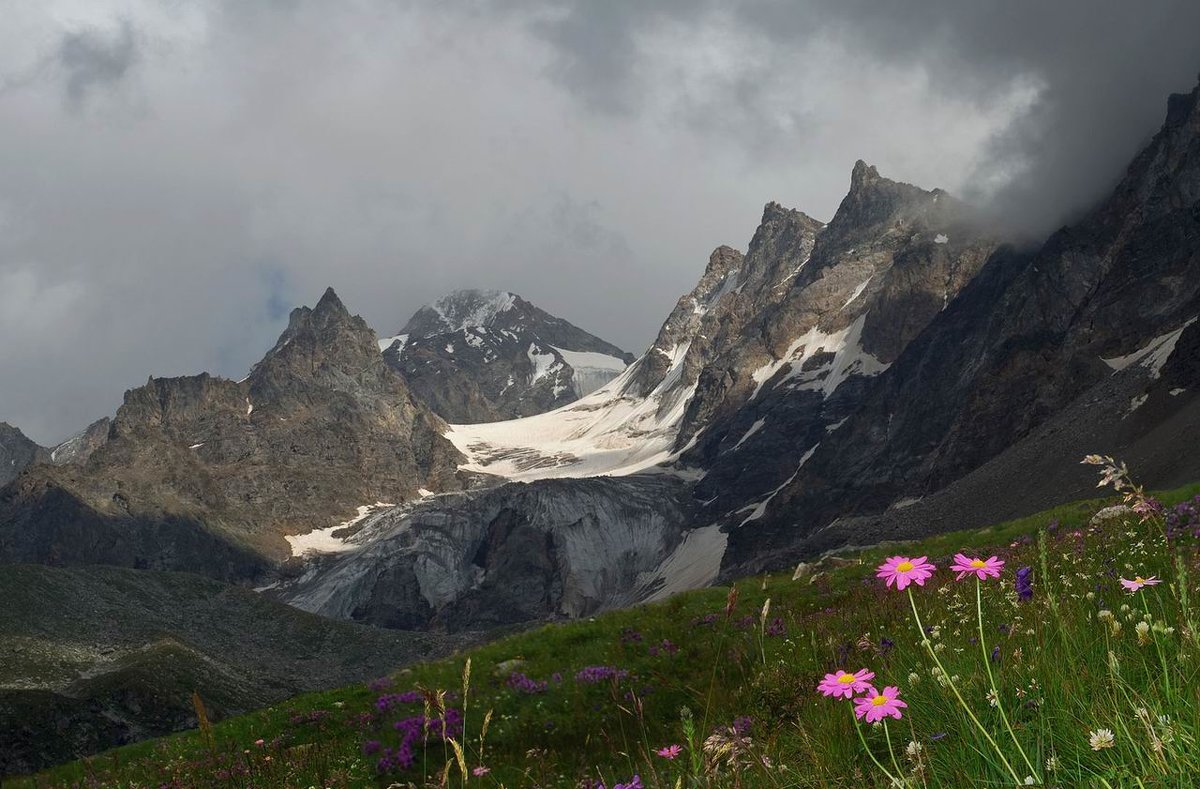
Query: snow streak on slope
x,y
849,359
607,433
1153,356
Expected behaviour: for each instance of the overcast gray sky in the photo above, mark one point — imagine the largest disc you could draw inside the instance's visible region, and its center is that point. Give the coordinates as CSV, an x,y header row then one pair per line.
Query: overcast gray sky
x,y
175,175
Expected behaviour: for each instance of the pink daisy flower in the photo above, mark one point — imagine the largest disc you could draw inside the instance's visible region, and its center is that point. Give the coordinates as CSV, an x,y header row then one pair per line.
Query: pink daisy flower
x,y
670,752
877,705
984,569
1139,582
480,771
901,571
846,685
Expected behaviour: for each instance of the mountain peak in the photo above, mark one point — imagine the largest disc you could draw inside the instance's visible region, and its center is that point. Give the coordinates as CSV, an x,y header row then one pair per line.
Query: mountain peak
x,y
863,174
722,260
875,203
482,355
330,304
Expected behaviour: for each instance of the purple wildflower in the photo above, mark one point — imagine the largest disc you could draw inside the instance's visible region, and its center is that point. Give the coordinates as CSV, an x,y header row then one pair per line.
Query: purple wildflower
x,y
592,675
523,684
1024,583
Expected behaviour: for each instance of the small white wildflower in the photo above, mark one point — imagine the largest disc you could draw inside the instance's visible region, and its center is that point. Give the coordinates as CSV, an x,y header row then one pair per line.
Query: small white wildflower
x,y
913,678
993,699
1101,739
1029,780
1052,763
1104,615
913,750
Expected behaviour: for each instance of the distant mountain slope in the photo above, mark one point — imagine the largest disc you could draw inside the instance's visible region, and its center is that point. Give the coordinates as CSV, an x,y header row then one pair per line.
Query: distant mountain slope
x,y
483,356
95,657
17,452
208,474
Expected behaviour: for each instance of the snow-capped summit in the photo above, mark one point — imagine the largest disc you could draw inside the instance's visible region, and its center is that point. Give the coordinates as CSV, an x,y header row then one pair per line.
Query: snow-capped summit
x,y
486,355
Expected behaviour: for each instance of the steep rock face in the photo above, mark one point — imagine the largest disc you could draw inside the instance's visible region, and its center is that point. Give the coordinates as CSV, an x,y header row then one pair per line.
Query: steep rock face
x,y
483,356
320,426
1027,340
514,554
17,452
891,259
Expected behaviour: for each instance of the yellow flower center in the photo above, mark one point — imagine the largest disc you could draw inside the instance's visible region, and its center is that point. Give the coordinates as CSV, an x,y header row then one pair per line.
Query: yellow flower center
x,y
879,701
846,679
1139,580
978,563
904,566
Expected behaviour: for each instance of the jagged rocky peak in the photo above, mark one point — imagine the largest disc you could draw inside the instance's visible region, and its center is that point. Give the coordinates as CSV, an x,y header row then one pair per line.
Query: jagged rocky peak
x,y
320,427
483,356
17,452
877,207
844,301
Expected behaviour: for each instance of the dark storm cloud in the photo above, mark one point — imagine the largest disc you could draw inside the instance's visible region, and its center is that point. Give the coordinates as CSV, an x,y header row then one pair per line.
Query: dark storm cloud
x,y
92,59
174,177
1104,67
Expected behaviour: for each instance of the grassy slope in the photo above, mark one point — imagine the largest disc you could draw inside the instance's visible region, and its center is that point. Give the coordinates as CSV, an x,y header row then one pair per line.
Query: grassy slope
x,y
1055,672
91,657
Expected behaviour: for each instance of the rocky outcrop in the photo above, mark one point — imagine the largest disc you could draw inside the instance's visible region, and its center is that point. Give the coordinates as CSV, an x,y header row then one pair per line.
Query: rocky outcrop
x,y
206,474
17,452
484,356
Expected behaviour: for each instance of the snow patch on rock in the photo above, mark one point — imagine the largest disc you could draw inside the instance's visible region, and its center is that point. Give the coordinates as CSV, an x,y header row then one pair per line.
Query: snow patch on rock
x,y
323,541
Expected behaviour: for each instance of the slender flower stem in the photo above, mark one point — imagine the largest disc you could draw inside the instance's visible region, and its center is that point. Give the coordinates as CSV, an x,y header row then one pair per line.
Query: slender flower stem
x,y
950,684
891,751
1157,646
987,664
858,728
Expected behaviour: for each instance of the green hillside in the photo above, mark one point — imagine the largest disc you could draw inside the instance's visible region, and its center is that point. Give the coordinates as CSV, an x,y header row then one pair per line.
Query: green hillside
x,y
1097,683
92,657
